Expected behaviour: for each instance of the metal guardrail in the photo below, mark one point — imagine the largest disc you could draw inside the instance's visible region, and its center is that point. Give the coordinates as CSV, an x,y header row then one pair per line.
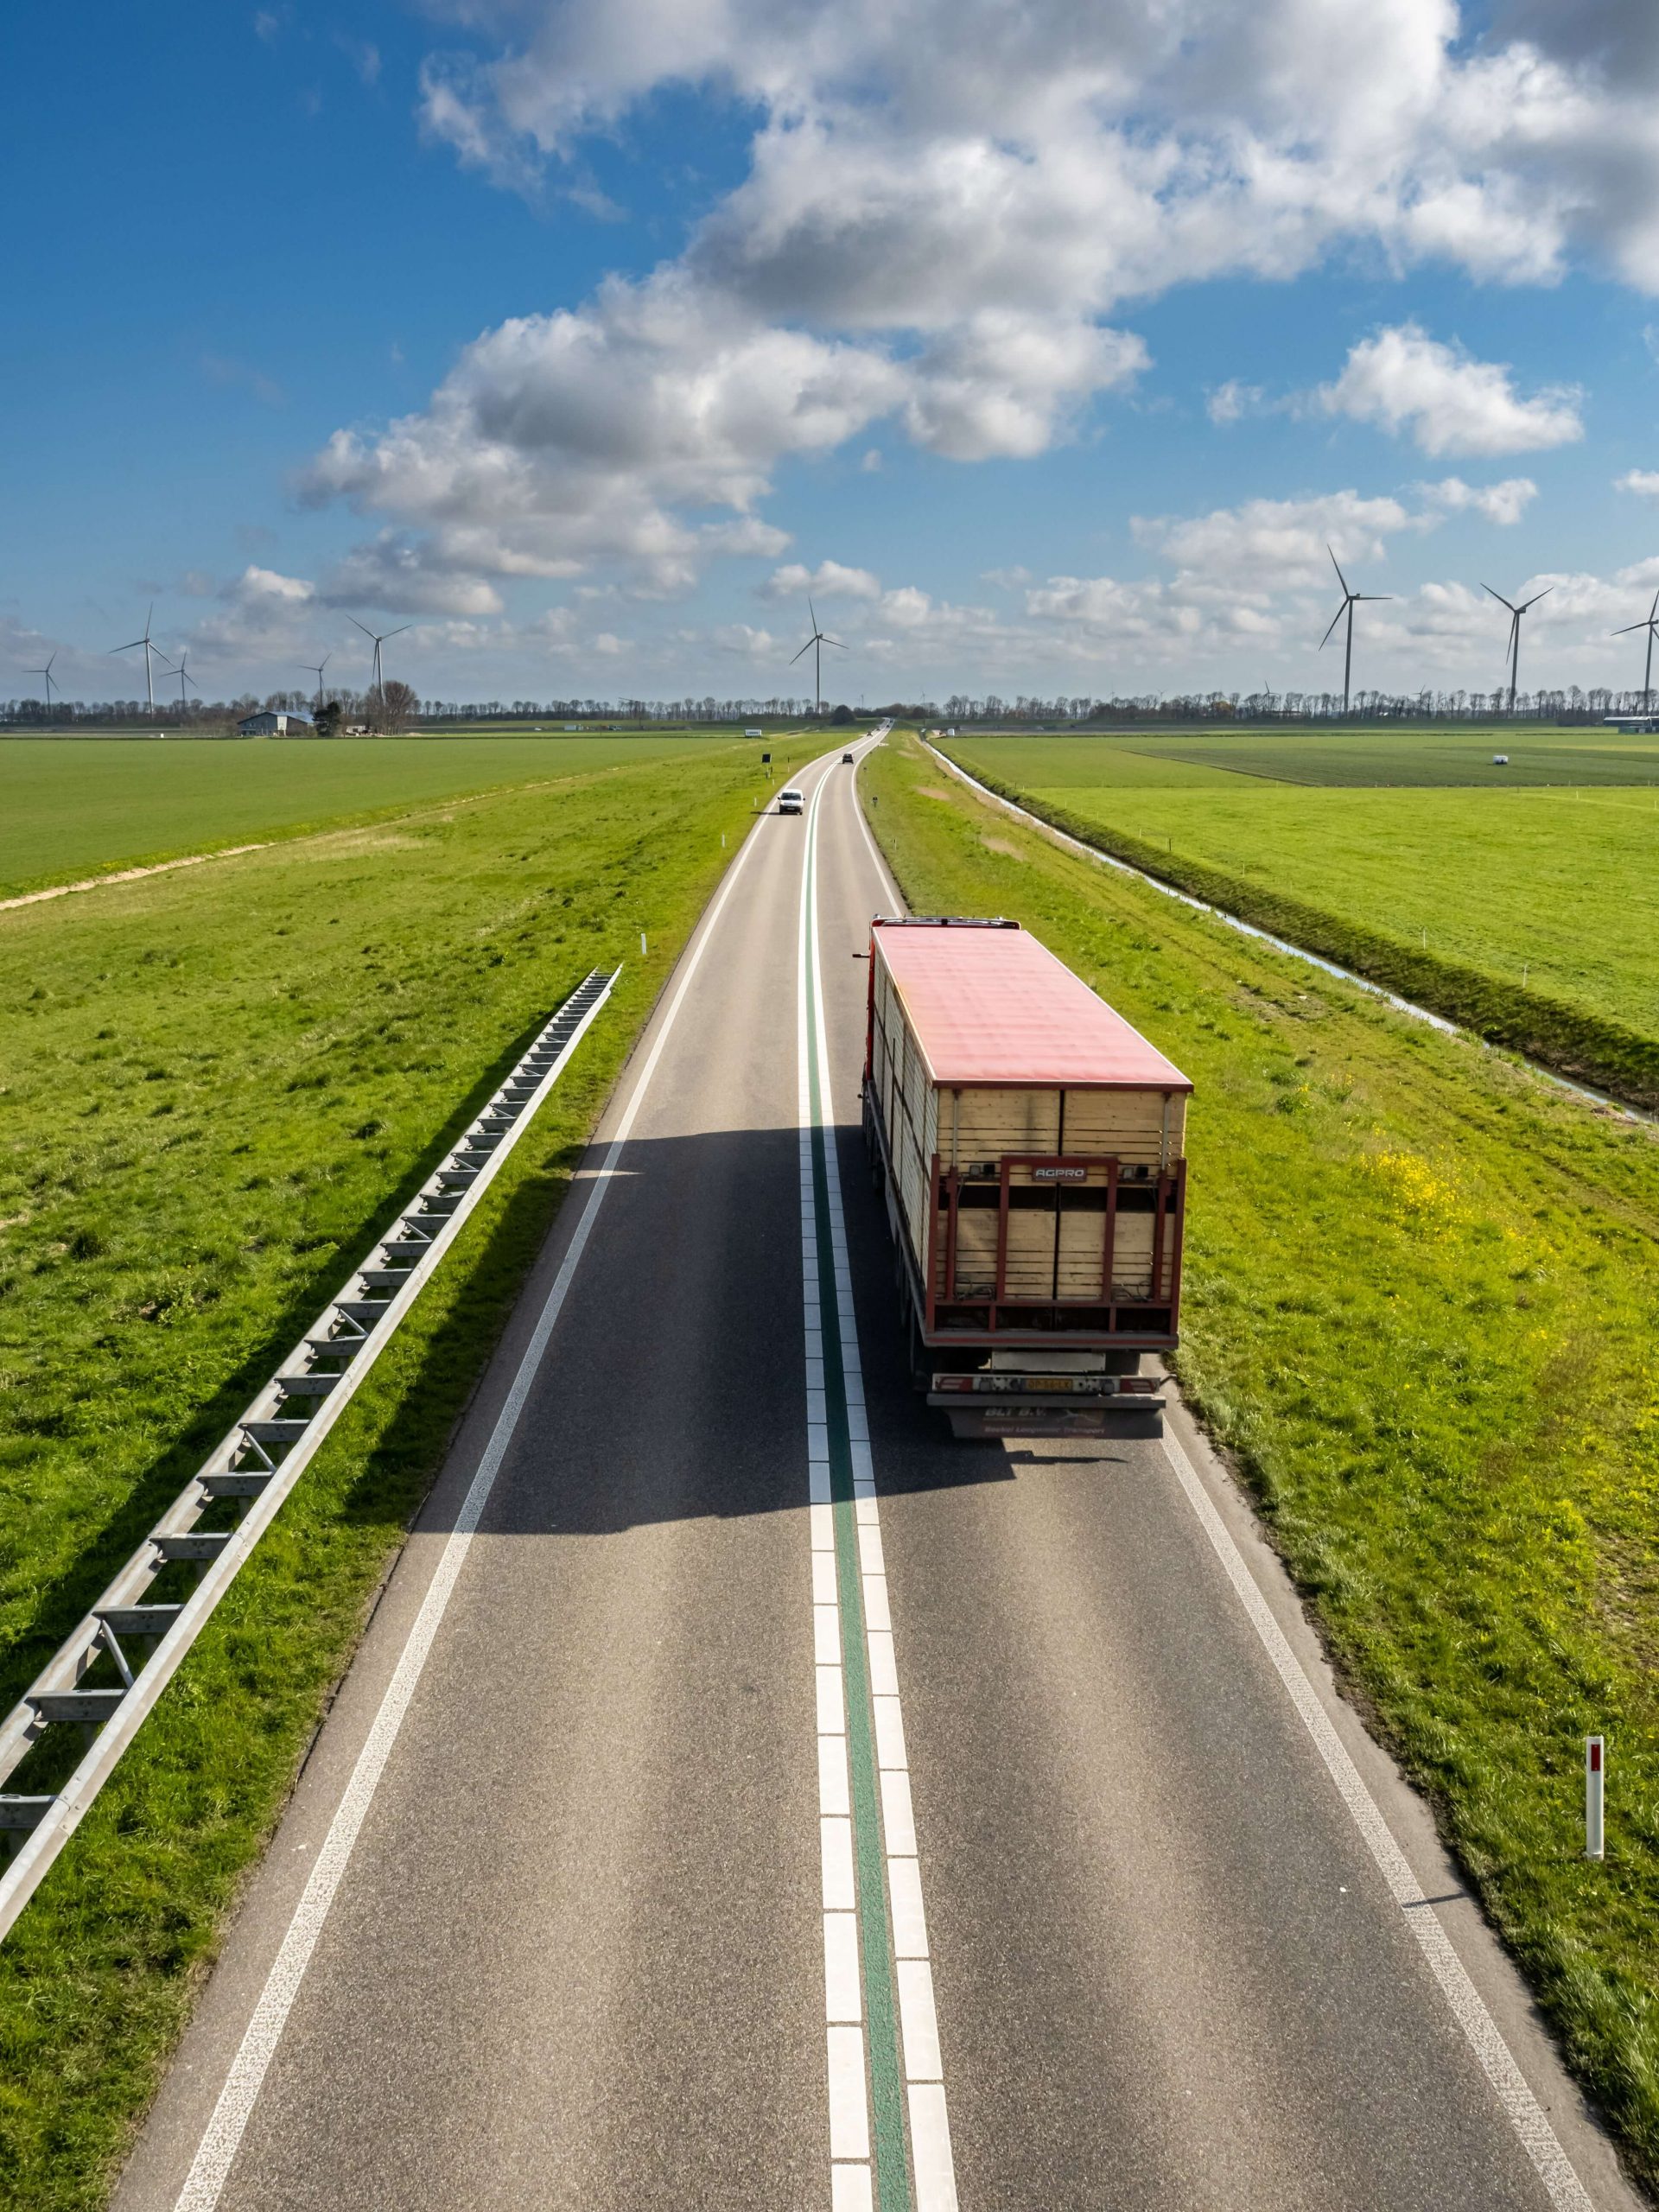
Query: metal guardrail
x,y
105,1678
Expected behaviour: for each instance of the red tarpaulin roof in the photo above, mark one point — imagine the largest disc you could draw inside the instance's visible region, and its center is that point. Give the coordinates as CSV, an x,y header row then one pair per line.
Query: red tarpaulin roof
x,y
993,1006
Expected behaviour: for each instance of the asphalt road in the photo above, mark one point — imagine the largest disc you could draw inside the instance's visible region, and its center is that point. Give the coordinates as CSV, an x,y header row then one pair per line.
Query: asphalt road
x,y
576,1955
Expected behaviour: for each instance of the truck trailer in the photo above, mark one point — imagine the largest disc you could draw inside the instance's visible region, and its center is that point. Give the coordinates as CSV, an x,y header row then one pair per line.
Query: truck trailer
x,y
1030,1144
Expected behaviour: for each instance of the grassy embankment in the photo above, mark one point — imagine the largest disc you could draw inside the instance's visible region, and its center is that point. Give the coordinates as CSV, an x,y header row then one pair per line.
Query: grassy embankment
x,y
219,1084
1538,906
72,807
1420,1313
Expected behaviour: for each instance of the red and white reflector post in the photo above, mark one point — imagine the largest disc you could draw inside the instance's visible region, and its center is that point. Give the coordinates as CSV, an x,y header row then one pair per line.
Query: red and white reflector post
x,y
1595,1779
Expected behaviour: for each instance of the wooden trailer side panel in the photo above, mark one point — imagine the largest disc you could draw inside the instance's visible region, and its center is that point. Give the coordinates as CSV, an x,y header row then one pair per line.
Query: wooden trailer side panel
x,y
1049,1241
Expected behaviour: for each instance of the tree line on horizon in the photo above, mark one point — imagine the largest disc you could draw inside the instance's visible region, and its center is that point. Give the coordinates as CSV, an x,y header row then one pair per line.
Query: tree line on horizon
x,y
398,705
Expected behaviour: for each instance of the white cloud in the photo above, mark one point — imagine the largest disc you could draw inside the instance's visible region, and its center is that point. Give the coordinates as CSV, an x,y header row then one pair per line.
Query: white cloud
x,y
947,213
565,439
922,143
829,580
1403,379
1267,544
1504,502
1232,401
363,54
1645,482
403,576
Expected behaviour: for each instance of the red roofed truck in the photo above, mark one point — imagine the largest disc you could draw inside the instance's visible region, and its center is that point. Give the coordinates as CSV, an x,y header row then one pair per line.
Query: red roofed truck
x,y
1029,1143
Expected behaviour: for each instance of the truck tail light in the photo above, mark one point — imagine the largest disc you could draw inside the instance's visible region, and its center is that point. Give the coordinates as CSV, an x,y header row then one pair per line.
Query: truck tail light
x,y
1143,1385
953,1381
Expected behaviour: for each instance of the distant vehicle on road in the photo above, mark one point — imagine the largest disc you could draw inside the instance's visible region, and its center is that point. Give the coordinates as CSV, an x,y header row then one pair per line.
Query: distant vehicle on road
x,y
846,760
1030,1144
790,801
1500,759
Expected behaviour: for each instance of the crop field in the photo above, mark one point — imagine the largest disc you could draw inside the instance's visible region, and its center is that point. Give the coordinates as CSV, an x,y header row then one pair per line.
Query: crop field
x,y
1529,914
1422,1302
219,1084
73,806
1417,759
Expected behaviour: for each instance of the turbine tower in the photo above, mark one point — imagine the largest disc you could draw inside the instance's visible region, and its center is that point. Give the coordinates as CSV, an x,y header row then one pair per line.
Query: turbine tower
x,y
1650,626
1350,599
316,668
377,641
1516,613
47,673
815,645
132,646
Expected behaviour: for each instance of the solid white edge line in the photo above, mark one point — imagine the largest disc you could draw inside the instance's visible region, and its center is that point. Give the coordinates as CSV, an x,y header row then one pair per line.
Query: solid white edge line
x,y
212,2165
1525,2114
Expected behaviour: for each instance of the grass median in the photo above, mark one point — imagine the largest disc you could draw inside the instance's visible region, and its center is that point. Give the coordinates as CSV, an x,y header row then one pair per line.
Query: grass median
x,y
221,1084
1420,1312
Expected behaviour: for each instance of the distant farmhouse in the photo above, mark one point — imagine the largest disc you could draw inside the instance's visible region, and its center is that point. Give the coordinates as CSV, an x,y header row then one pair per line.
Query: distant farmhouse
x,y
272,725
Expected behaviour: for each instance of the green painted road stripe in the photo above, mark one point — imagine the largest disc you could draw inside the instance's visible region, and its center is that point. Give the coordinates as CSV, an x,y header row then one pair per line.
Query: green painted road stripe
x,y
880,2011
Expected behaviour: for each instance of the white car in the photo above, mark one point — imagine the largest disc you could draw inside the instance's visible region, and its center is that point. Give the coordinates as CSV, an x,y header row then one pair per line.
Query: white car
x,y
792,801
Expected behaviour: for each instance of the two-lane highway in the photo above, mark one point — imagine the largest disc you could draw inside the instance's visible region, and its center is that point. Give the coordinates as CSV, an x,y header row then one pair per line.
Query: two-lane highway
x,y
748,1796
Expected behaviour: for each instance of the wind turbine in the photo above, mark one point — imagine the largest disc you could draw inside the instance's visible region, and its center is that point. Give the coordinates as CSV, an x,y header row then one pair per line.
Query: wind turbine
x,y
1350,599
47,673
132,646
316,668
184,679
1650,626
378,642
815,645
1516,613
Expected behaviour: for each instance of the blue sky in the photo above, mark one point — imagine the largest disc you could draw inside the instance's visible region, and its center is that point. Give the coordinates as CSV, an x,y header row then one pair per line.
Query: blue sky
x,y
1048,345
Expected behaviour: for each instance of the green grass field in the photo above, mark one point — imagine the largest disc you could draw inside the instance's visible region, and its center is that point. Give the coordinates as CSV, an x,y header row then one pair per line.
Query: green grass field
x,y
72,807
1427,759
219,1085
1421,1307
1529,914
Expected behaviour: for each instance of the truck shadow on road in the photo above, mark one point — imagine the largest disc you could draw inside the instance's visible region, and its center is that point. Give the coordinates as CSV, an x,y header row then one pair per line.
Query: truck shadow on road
x,y
674,1386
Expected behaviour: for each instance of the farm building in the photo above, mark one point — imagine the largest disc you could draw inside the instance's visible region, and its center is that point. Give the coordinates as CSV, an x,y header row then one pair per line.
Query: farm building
x,y
272,725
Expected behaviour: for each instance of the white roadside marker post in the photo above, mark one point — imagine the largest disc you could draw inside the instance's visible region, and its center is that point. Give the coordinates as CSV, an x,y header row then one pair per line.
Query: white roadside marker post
x,y
642,944
1595,1778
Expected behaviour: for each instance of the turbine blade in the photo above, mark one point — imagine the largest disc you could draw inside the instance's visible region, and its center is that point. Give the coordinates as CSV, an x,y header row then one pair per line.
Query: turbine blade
x,y
1498,596
363,626
1335,619
128,647
1372,598
1341,579
837,643
397,632
809,610
1534,600
806,648
1629,626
